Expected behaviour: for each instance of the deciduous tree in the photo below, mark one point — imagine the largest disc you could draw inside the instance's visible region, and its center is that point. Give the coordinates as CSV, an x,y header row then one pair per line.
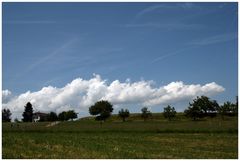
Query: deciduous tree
x,y
145,113
169,112
71,114
52,116
101,109
123,114
201,107
62,116
227,108
6,115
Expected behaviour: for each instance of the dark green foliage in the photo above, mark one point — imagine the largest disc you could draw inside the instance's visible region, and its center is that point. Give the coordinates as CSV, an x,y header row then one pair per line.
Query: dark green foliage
x,y
102,110
235,110
44,118
194,112
205,104
6,115
227,108
71,114
28,113
169,112
52,116
62,116
145,113
123,114
201,107
67,115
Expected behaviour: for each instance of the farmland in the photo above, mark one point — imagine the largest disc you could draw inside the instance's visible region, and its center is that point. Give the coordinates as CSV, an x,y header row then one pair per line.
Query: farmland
x,y
154,138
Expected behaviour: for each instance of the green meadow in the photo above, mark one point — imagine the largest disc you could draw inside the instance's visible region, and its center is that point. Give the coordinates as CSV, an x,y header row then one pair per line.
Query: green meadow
x,y
156,138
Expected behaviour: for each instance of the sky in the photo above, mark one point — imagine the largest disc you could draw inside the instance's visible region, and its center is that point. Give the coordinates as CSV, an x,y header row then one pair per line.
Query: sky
x,y
62,56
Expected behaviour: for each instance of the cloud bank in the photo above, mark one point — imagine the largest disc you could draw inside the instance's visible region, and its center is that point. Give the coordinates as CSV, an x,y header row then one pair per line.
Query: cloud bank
x,y
80,94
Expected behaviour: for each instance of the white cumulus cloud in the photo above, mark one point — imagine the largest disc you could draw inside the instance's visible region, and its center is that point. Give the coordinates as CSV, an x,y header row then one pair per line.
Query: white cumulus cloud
x,y
80,94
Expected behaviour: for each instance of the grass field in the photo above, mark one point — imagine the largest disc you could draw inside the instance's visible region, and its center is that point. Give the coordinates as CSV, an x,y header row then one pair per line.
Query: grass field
x,y
156,138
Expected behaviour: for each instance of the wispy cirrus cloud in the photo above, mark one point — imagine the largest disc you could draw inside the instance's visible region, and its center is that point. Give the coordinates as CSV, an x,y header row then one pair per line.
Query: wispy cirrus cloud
x,y
153,8
187,5
221,38
49,56
176,52
53,54
150,9
28,22
169,26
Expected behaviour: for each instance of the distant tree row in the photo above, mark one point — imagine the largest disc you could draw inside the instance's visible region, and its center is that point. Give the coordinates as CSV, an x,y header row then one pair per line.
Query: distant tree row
x,y
199,108
103,109
169,113
125,114
29,116
63,116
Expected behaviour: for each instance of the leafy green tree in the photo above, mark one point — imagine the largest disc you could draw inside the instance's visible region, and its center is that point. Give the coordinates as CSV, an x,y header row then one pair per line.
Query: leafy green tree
x,y
6,115
62,116
145,113
123,114
193,112
169,112
101,109
227,108
28,113
205,104
215,106
201,107
71,114
52,116
67,115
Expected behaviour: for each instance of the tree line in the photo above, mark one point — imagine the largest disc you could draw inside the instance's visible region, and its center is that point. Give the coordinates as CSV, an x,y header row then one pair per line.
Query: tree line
x,y
199,108
29,115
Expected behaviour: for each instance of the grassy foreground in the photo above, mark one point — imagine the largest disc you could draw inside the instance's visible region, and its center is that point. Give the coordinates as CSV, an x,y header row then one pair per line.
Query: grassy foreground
x,y
157,138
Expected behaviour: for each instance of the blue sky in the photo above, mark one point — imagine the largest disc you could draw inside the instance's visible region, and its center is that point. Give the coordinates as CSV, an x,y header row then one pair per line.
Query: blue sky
x,y
51,44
